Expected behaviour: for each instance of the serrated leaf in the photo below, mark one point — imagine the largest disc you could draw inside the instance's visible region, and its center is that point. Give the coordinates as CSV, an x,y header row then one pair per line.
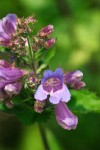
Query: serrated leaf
x,y
84,101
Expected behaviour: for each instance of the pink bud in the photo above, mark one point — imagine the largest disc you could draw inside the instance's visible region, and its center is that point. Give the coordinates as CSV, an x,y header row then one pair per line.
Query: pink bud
x,y
78,85
46,31
49,43
4,64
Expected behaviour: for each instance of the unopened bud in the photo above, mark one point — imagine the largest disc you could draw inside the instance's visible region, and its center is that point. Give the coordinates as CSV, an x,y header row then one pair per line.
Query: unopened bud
x,y
4,64
49,43
39,105
71,77
46,31
78,85
9,104
13,89
30,19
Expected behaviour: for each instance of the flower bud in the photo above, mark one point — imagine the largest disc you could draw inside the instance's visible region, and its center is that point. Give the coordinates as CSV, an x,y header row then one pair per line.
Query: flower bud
x,y
71,77
49,43
46,31
4,64
65,118
38,106
13,89
9,104
78,85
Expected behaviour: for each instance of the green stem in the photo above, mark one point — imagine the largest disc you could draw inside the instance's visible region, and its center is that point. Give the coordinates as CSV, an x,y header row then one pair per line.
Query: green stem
x,y
31,55
43,135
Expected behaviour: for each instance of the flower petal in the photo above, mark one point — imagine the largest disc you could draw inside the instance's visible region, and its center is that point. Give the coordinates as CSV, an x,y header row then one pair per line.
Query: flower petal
x,y
8,24
40,94
60,95
1,29
13,18
47,74
54,99
10,73
65,118
59,71
4,36
13,89
65,94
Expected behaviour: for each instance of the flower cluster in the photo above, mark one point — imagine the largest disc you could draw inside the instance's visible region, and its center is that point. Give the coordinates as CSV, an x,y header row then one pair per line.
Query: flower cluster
x,y
17,34
10,80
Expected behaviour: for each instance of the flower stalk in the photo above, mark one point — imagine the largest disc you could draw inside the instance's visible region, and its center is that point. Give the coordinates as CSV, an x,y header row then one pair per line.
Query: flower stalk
x,y
31,55
16,34
43,135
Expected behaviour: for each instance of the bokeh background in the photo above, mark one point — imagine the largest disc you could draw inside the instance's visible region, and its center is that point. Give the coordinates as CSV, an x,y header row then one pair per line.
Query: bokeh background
x,y
77,29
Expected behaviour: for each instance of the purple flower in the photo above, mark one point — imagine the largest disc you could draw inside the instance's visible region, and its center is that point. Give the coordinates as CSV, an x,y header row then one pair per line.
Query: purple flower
x,y
74,79
7,27
9,78
65,118
53,84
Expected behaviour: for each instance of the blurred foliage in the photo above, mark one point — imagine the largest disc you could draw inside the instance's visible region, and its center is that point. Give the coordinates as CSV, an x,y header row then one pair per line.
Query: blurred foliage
x,y
77,28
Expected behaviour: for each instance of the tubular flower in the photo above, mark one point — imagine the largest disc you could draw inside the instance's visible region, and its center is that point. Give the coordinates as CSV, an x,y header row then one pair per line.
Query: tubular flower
x,y
9,78
7,27
74,79
65,118
53,84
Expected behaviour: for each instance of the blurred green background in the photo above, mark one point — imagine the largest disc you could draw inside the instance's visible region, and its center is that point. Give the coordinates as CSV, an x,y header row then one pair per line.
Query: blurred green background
x,y
77,29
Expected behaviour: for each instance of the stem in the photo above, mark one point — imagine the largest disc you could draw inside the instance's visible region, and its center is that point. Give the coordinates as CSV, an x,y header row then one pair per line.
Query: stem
x,y
31,55
43,135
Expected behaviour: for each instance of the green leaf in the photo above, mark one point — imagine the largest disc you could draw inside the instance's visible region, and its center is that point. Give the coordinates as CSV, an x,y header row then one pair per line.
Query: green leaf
x,y
49,55
42,67
84,101
39,54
